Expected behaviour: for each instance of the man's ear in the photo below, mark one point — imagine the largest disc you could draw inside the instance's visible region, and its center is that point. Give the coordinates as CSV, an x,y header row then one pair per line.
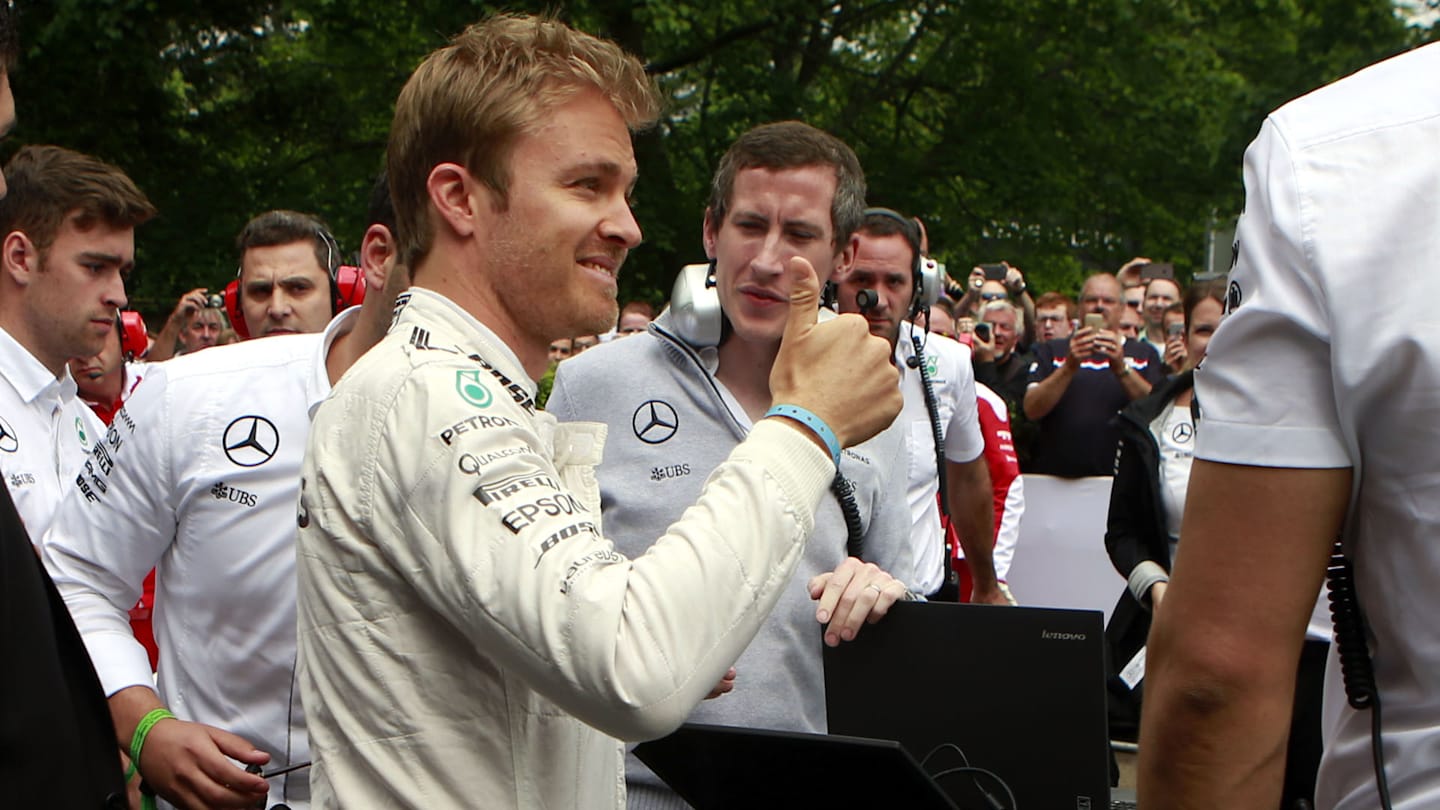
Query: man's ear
x,y
460,201
377,248
845,259
19,258
708,231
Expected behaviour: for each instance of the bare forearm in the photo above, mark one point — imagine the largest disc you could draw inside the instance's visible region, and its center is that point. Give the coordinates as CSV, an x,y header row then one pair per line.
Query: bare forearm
x,y
972,508
164,346
1027,305
1135,385
128,707
1041,398
1223,651
1207,745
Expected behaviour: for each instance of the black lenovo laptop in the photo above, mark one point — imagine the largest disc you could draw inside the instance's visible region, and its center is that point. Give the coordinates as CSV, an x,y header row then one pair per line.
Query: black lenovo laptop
x,y
1007,702
723,768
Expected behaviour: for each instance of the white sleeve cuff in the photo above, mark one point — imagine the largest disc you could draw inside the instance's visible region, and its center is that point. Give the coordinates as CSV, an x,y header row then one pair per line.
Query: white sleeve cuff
x,y
120,661
1271,445
1143,577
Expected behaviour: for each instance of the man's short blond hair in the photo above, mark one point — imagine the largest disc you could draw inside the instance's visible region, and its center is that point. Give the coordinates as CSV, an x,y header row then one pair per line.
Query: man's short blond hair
x,y
469,101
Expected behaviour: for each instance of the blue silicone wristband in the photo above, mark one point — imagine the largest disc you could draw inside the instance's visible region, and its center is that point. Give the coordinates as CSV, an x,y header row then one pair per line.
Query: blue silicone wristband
x,y
815,423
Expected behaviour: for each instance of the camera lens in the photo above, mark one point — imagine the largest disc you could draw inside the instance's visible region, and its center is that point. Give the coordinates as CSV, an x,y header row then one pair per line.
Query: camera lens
x,y
215,301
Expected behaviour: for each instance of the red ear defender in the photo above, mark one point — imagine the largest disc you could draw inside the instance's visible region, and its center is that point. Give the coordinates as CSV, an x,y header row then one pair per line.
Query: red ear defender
x,y
134,341
349,287
232,310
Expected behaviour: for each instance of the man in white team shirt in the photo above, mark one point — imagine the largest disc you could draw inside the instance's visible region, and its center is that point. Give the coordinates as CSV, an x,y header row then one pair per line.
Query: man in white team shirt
x,y
1320,400
198,476
68,226
887,263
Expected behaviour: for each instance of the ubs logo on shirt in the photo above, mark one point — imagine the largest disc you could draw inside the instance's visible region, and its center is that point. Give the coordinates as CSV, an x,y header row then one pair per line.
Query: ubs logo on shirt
x,y
672,471
233,495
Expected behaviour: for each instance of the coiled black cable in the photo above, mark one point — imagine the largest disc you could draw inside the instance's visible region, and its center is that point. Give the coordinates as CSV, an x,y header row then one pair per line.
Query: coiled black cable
x,y
855,530
1357,671
917,361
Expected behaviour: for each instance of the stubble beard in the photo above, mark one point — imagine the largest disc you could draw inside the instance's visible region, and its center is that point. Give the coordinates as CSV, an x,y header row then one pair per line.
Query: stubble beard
x,y
573,311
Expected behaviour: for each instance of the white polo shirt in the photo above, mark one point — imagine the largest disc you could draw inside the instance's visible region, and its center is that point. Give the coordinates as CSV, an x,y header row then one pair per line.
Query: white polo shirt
x,y
1331,358
45,433
953,379
200,479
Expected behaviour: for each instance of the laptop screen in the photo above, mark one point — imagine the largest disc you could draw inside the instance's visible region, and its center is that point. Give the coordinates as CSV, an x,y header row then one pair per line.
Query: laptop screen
x,y
721,768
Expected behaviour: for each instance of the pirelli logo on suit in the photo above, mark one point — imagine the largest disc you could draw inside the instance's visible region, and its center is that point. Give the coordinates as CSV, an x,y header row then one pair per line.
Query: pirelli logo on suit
x,y
513,485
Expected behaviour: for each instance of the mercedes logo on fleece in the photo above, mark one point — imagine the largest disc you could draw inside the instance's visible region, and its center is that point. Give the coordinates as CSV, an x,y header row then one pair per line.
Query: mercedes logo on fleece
x,y
251,441
654,422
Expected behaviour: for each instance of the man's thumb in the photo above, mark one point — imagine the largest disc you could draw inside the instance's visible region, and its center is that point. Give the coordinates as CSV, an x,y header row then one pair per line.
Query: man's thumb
x,y
804,296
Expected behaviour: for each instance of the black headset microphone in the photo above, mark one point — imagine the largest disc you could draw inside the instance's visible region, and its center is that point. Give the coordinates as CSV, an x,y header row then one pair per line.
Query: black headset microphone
x,y
866,300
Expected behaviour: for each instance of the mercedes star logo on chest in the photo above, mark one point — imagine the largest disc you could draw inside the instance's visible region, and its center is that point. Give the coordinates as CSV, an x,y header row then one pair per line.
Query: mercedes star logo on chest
x,y
654,421
251,441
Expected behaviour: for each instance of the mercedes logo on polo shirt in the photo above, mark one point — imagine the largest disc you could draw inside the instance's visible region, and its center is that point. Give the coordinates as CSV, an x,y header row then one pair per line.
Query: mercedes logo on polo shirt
x,y
654,422
9,442
251,441
1183,432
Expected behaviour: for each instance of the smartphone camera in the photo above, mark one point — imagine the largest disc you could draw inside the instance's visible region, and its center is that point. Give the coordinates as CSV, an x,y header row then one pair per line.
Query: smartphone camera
x,y
215,301
994,272
1175,329
982,331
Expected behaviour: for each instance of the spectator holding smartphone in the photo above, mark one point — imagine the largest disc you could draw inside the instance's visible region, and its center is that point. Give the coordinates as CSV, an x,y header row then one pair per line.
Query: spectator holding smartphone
x,y
1076,386
999,282
999,360
1161,292
1177,352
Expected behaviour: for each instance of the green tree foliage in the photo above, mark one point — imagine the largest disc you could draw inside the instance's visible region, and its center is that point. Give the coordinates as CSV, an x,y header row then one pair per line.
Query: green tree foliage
x,y
1063,136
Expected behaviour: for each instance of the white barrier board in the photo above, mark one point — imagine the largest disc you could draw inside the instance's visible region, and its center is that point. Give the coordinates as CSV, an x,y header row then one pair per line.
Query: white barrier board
x,y
1060,558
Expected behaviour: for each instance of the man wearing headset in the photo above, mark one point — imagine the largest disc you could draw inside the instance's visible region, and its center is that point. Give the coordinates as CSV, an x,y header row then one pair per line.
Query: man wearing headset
x,y
889,271
781,190
198,477
286,284
290,281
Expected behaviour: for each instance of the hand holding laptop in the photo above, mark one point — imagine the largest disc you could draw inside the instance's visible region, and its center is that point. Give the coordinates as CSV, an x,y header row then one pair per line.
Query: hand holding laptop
x,y
856,593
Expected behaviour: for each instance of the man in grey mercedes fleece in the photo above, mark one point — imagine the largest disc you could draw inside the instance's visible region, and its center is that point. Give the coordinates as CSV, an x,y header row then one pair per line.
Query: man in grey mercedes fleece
x,y
677,407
